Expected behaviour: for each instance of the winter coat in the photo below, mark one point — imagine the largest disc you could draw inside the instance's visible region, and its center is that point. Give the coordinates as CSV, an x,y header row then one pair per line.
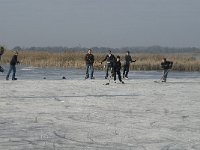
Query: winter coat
x,y
128,60
89,59
14,61
166,65
117,66
110,59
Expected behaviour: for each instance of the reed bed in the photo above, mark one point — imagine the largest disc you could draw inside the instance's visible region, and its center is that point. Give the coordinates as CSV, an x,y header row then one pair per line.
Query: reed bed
x,y
70,59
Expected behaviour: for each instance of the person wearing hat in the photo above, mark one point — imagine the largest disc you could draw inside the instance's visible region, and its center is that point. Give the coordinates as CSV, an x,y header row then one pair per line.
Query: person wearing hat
x,y
1,53
13,63
110,60
126,65
117,70
89,60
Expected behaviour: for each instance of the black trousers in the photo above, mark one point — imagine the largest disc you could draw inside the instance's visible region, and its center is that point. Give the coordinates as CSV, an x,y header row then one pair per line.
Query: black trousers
x,y
126,70
109,66
117,73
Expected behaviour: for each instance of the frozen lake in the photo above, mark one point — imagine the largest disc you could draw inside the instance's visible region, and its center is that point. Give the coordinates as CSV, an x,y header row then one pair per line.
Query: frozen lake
x,y
31,73
56,114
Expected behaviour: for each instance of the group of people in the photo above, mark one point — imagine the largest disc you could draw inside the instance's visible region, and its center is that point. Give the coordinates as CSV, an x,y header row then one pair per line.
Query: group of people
x,y
113,64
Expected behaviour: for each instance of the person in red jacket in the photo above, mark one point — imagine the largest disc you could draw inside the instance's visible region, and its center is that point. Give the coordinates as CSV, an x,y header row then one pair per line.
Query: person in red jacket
x,y
13,63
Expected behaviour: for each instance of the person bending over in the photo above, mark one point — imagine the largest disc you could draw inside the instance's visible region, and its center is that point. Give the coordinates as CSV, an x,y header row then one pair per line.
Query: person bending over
x,y
166,65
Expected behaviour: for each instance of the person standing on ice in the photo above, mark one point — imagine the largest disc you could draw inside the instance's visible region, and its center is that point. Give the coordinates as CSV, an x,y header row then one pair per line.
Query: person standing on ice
x,y
89,60
13,63
117,70
165,65
1,53
126,65
110,60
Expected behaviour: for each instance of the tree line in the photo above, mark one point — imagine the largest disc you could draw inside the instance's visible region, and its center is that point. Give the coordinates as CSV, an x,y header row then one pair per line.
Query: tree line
x,y
139,49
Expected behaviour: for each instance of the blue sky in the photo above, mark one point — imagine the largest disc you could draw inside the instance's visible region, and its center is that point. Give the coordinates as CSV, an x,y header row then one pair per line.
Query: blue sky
x,y
112,23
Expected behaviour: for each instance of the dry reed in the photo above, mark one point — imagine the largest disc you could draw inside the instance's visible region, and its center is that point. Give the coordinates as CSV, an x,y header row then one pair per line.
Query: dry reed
x,y
182,62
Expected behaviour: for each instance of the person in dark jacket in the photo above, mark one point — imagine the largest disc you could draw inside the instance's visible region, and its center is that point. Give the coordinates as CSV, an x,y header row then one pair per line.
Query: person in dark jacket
x,y
126,65
166,65
1,53
117,70
13,63
110,60
89,60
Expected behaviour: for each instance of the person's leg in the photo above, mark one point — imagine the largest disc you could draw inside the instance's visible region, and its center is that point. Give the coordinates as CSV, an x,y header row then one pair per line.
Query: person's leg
x,y
127,71
8,74
91,71
119,76
112,71
165,75
124,70
107,69
14,72
87,70
114,74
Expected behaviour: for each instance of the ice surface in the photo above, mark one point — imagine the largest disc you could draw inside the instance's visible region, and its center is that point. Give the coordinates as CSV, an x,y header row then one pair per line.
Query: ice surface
x,y
56,114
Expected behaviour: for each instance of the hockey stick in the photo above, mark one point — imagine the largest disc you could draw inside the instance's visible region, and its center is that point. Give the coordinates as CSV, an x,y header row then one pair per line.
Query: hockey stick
x,y
162,76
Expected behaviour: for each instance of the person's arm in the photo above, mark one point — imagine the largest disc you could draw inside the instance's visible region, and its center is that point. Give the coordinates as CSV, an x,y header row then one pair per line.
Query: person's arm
x,y
92,59
131,60
16,60
162,65
104,59
86,58
114,59
120,65
170,64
